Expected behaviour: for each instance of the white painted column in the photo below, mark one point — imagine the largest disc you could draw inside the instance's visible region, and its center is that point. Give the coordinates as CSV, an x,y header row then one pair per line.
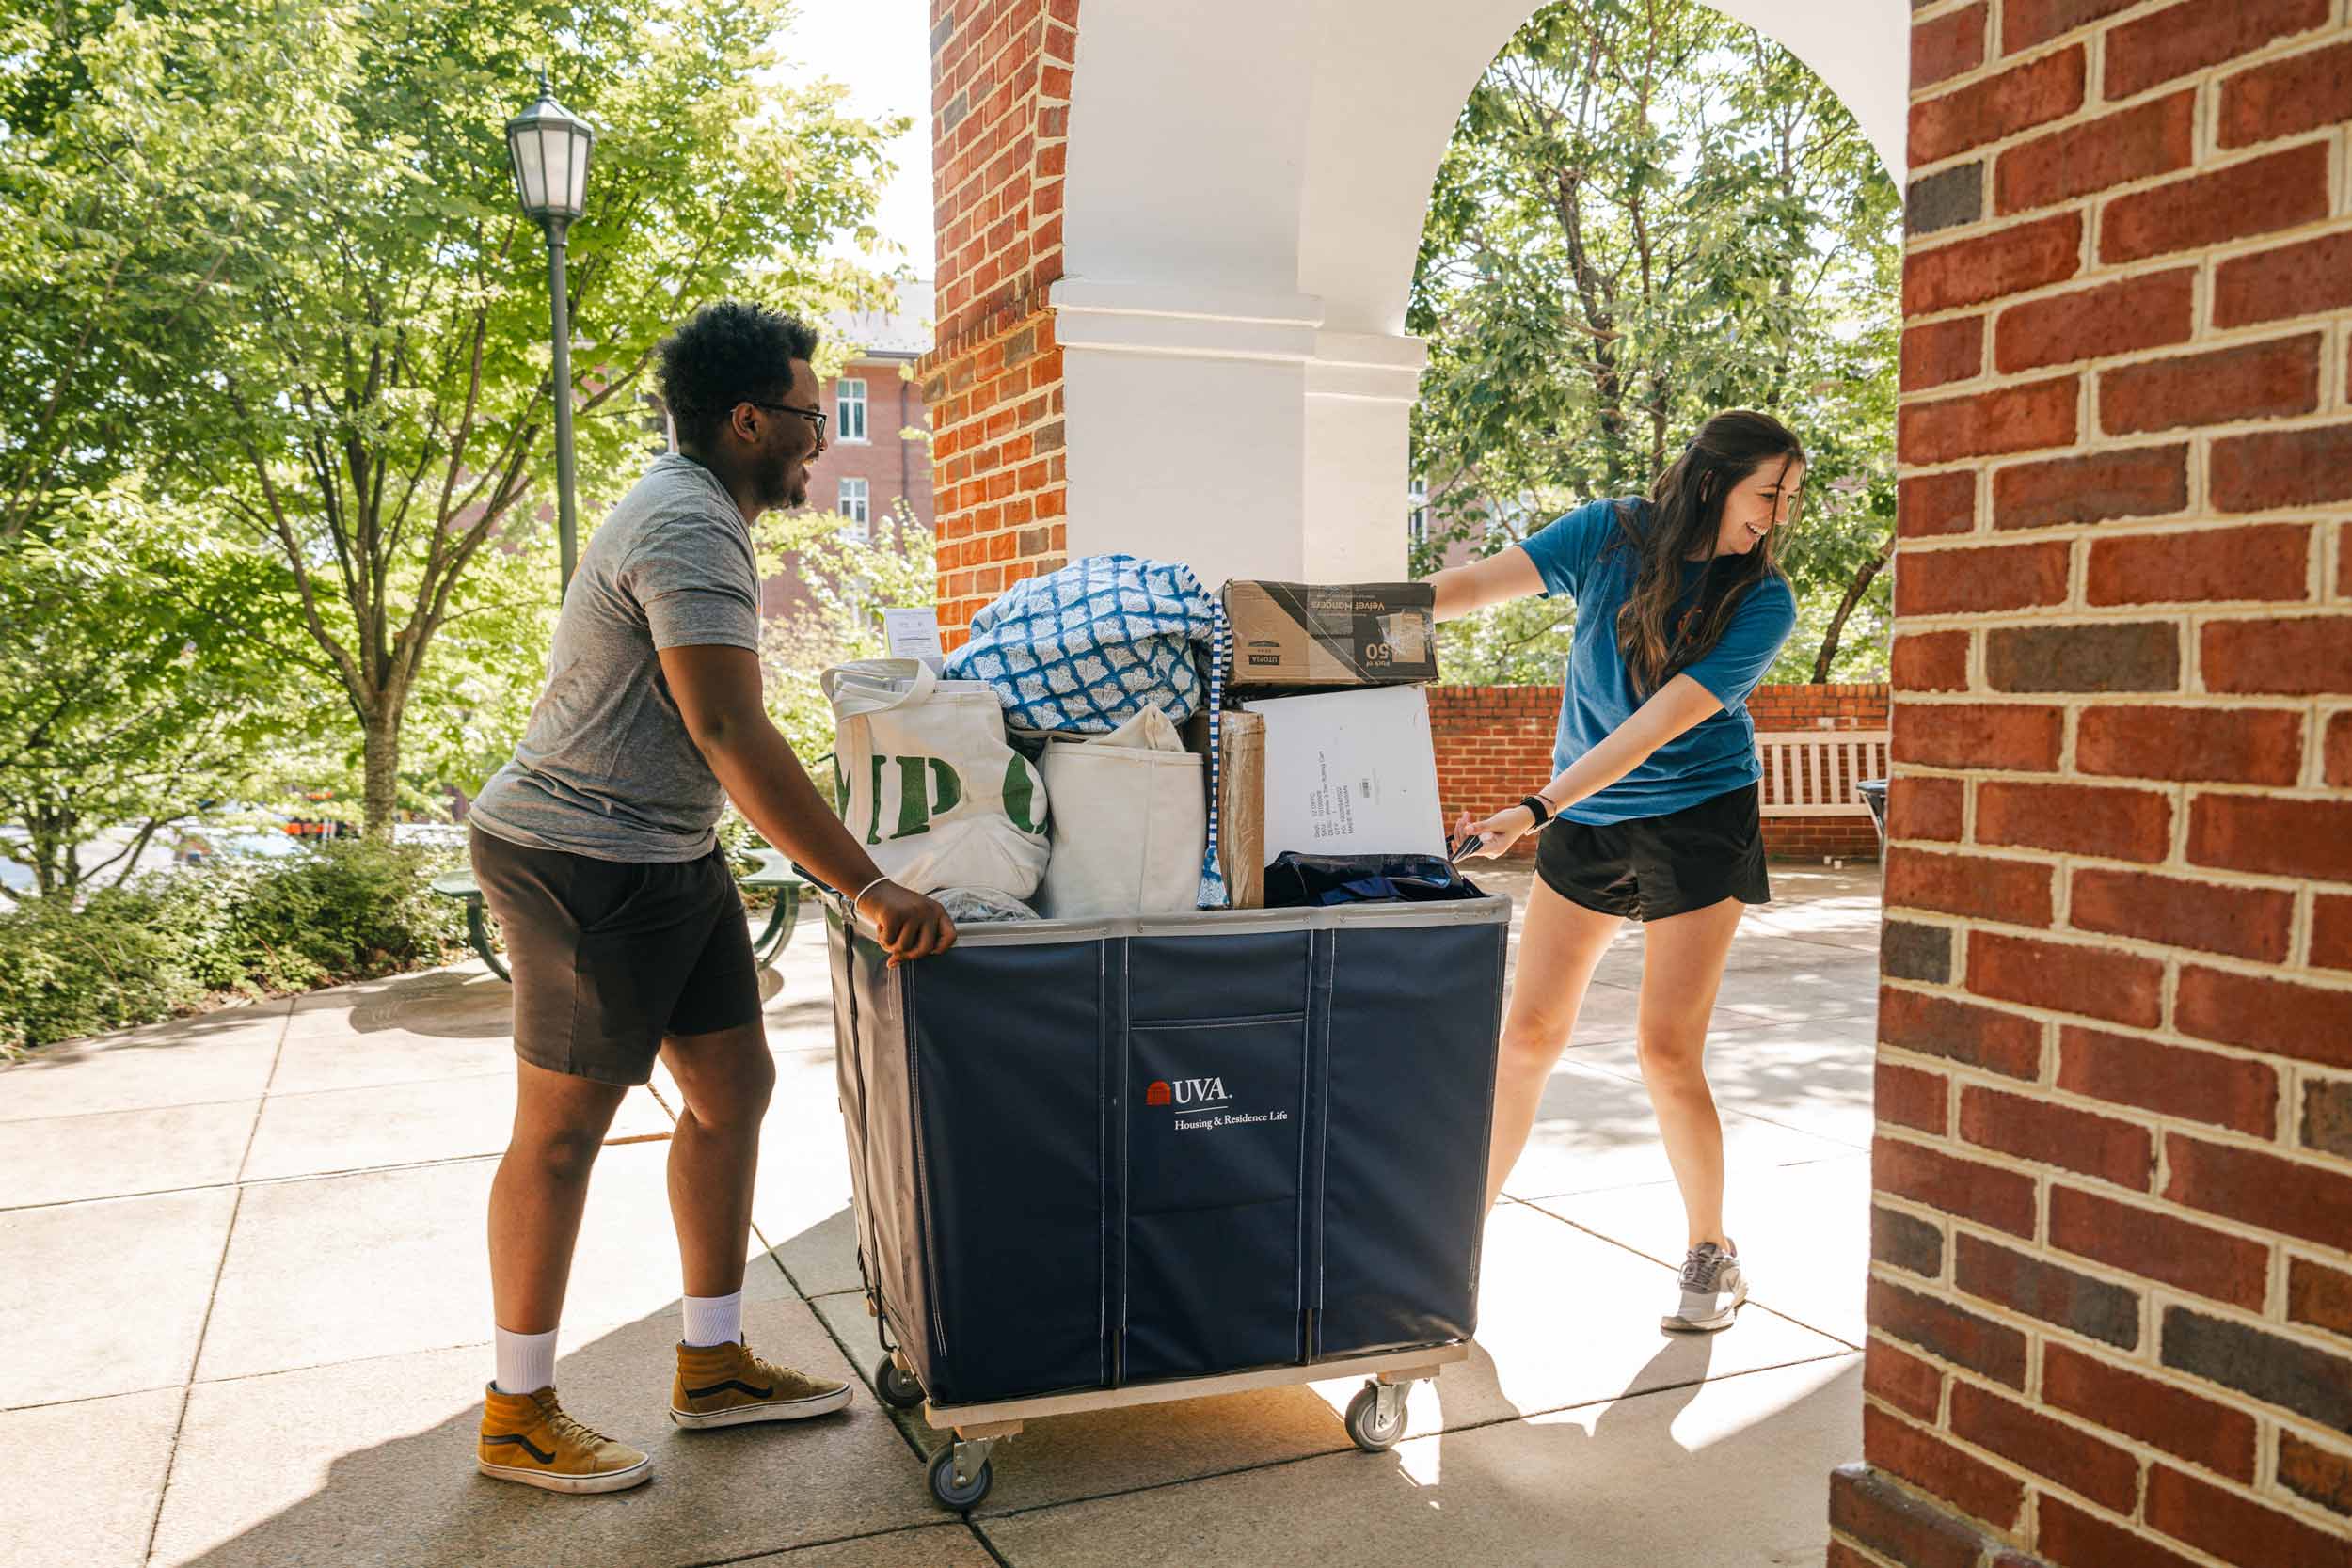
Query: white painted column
x,y
1184,411
1360,389
1227,431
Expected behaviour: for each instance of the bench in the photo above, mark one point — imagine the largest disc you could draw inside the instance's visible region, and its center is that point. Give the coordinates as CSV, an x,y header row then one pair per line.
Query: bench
x,y
1820,772
774,874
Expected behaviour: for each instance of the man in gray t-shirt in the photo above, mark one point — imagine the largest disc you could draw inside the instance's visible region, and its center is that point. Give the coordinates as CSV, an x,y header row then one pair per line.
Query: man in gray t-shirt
x,y
594,849
606,768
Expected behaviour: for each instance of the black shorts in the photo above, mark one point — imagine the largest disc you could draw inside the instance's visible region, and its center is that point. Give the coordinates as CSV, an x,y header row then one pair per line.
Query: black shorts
x,y
1656,866
610,956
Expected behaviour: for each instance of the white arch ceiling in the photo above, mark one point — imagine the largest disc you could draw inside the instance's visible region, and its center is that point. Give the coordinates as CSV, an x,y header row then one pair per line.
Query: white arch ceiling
x,y
1247,182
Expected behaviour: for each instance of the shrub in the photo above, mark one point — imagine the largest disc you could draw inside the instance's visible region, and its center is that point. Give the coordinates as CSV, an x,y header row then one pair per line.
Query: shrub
x,y
345,910
66,972
169,942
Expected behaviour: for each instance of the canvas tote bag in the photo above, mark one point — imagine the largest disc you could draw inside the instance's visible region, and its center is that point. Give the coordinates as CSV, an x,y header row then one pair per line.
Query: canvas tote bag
x,y
1130,822
929,783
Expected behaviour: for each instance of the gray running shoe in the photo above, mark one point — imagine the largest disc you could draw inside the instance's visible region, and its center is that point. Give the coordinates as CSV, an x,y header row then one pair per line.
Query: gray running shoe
x,y
1713,1285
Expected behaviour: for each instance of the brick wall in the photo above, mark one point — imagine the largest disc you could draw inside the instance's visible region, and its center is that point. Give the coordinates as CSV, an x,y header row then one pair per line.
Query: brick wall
x,y
1494,745
1000,123
2110,1306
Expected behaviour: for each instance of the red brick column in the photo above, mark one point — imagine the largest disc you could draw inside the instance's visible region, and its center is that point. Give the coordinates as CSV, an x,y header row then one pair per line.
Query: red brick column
x,y
1000,124
2110,1306
1494,744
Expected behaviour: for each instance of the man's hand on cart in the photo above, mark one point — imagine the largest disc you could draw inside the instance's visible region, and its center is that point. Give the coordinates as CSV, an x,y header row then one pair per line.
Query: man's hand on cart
x,y
911,926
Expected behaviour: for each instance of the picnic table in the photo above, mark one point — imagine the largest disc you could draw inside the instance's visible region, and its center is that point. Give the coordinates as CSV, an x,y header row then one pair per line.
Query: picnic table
x,y
774,874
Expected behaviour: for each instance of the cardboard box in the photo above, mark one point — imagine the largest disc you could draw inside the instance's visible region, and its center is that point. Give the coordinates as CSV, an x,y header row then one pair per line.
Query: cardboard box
x,y
1290,634
1241,802
1351,773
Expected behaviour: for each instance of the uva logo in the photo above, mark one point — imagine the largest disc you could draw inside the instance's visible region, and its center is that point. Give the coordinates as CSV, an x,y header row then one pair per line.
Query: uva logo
x,y
1186,1091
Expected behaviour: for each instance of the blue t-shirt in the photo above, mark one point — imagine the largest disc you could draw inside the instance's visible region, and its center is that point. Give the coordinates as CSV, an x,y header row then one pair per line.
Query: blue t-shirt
x,y
1712,757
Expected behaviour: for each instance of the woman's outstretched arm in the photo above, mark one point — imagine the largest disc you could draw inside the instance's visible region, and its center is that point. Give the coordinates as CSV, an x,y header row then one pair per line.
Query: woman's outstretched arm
x,y
1676,707
1504,576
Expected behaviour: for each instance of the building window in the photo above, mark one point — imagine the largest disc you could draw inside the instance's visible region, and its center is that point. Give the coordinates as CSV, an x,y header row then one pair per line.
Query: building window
x,y
848,401
1417,512
852,506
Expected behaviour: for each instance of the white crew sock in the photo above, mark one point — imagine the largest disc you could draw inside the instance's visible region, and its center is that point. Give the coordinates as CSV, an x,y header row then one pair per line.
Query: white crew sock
x,y
714,1319
526,1362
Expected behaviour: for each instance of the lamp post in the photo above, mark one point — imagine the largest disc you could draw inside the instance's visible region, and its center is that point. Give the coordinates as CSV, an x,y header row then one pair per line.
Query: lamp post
x,y
548,147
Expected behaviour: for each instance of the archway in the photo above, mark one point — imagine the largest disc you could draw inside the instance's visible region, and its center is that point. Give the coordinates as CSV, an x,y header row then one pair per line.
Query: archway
x,y
1173,270
1252,270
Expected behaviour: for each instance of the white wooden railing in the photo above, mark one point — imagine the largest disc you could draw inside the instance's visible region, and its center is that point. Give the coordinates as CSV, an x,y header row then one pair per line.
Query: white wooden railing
x,y
1813,773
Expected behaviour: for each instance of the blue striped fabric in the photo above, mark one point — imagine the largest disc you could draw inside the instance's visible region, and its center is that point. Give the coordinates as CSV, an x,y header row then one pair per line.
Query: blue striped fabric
x,y
1083,650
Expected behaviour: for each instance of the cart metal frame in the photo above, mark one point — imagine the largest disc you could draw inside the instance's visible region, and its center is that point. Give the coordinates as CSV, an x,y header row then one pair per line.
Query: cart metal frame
x,y
960,1473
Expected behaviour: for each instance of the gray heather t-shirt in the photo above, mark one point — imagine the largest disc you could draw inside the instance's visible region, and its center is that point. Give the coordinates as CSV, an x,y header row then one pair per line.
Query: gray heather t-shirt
x,y
606,768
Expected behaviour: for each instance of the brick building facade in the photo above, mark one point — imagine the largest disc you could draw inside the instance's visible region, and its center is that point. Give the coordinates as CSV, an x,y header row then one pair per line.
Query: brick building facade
x,y
1000,118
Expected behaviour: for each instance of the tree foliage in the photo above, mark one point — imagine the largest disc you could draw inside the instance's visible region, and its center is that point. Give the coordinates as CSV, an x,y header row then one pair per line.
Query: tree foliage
x,y
277,273
1649,213
142,672
133,142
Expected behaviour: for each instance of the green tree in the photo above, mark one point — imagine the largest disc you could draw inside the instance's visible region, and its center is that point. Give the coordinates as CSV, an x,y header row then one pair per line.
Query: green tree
x,y
468,707
377,402
131,140
141,671
1649,213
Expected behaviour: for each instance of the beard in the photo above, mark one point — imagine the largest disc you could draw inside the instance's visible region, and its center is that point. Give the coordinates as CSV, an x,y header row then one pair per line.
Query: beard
x,y
784,484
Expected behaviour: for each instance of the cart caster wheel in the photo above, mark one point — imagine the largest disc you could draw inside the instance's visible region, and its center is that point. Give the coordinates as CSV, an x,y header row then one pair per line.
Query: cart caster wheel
x,y
1375,1431
894,1386
943,1479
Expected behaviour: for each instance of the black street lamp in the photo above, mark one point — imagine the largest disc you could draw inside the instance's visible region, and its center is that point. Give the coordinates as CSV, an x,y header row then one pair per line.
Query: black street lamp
x,y
548,146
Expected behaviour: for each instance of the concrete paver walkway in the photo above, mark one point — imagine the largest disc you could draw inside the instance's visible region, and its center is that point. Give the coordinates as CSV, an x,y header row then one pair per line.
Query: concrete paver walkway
x,y
245,1315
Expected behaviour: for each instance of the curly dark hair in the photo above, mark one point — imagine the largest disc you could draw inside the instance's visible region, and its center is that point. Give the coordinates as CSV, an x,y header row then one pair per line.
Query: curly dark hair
x,y
730,351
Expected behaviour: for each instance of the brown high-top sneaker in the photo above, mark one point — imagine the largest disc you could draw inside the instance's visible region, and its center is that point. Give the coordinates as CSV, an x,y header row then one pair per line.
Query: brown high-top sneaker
x,y
722,1386
527,1438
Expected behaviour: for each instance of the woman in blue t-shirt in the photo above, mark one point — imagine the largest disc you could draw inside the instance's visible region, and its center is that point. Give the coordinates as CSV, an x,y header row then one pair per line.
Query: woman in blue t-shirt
x,y
1680,610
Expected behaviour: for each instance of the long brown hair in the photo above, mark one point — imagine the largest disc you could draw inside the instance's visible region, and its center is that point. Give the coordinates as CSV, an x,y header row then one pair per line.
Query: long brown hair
x,y
1686,515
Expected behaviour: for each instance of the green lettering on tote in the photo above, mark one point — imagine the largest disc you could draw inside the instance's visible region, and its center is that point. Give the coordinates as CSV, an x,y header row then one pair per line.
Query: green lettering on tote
x,y
919,804
873,824
947,789
913,818
1021,794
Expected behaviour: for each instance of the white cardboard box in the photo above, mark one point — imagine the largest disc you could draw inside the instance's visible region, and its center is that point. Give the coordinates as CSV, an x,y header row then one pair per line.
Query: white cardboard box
x,y
914,634
1351,773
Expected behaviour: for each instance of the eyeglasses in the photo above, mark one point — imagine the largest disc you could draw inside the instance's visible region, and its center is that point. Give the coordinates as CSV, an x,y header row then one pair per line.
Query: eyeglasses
x,y
814,415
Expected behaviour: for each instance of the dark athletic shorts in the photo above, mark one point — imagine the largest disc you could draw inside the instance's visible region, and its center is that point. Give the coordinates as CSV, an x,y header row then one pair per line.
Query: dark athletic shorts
x,y
610,956
1656,866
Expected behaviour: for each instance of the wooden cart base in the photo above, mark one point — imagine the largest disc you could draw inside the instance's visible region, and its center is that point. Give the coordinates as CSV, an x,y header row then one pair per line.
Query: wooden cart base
x,y
960,1473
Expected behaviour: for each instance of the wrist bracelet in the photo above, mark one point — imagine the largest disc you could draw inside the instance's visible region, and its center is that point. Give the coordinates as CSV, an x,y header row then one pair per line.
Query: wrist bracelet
x,y
867,889
1541,807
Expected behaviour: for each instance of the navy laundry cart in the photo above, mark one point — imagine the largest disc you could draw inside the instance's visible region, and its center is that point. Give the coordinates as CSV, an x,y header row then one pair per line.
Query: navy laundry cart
x,y
1110,1163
